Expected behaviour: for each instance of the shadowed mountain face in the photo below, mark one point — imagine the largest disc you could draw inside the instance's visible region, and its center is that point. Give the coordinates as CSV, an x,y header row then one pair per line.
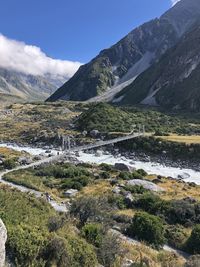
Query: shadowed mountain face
x,y
116,67
174,81
28,87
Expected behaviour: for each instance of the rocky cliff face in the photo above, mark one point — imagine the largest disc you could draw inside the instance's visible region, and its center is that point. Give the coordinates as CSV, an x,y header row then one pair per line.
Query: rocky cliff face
x,y
118,66
3,237
174,81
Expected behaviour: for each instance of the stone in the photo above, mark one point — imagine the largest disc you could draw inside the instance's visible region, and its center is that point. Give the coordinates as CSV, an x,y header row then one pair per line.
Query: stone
x,y
127,263
122,167
146,184
37,157
94,133
183,176
84,133
3,238
116,190
70,193
129,199
24,160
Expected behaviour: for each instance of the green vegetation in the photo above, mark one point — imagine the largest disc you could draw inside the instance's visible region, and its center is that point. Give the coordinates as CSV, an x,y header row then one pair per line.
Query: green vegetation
x,y
37,234
57,178
30,123
9,164
156,146
108,118
30,243
193,243
148,228
93,233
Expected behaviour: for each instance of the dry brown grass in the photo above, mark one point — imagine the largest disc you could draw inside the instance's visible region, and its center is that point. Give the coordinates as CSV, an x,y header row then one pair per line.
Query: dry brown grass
x,y
10,153
127,212
99,188
175,189
187,139
153,258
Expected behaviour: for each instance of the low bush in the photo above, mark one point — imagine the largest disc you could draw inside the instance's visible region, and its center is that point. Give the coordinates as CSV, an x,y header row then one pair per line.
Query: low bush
x,y
148,228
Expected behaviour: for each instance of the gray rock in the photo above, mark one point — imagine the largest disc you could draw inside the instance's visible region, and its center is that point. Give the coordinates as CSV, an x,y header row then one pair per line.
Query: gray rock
x,y
122,167
129,199
127,263
84,133
116,190
70,193
94,133
3,238
25,160
146,184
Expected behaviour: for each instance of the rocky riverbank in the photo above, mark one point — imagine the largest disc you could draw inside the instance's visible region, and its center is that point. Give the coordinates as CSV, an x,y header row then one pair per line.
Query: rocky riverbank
x,y
162,159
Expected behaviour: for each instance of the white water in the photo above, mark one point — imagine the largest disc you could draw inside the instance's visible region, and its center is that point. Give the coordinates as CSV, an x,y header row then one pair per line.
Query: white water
x,y
149,167
30,150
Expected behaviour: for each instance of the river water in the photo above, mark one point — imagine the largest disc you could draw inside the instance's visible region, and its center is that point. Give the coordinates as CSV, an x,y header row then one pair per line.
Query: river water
x,y
150,167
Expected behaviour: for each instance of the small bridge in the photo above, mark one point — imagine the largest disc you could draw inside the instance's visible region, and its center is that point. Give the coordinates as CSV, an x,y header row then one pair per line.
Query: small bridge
x,y
140,131
104,143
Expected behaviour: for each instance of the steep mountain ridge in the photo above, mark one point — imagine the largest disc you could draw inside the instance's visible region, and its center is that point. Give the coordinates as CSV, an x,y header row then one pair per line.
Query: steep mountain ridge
x,y
174,81
26,86
118,66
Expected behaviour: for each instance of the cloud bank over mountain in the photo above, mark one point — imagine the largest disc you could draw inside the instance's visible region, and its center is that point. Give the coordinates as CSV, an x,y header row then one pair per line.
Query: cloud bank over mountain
x,y
28,59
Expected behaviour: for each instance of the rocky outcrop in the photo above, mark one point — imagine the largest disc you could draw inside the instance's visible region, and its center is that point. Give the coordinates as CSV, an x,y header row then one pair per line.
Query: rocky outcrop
x,y
3,238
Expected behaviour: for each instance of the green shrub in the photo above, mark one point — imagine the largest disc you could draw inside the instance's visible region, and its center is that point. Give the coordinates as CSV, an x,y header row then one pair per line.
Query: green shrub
x,y
193,243
136,189
176,236
148,228
153,204
9,164
93,233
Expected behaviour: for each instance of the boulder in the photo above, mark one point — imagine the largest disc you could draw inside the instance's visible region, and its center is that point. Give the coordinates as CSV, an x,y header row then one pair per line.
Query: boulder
x,y
146,184
25,160
94,133
70,193
122,167
116,190
129,199
3,238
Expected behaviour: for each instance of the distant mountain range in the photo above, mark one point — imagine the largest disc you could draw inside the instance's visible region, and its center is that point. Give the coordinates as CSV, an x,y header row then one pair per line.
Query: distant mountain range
x,y
28,87
155,64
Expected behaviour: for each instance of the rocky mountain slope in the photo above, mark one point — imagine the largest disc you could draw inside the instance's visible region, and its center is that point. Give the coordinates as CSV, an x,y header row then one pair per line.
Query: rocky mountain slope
x,y
174,81
116,67
26,86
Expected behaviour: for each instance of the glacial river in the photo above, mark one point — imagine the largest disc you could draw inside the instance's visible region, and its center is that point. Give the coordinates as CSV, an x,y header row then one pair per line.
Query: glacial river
x,y
150,167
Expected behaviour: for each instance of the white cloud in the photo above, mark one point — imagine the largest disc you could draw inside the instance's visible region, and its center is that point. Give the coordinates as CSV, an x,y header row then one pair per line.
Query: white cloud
x,y
174,2
29,59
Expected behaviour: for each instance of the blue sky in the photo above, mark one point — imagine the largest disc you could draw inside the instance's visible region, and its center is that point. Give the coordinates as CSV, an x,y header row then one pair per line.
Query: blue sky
x,y
75,29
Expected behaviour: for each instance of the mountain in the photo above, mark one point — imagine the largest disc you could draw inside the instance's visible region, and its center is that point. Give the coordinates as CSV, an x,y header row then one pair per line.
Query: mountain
x,y
117,67
174,81
26,86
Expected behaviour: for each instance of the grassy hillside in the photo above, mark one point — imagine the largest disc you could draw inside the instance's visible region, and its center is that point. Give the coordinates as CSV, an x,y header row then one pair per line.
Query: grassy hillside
x,y
31,239
108,118
38,236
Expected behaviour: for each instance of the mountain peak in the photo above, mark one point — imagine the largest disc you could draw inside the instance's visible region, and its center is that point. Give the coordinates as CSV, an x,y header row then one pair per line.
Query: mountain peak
x,y
115,68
